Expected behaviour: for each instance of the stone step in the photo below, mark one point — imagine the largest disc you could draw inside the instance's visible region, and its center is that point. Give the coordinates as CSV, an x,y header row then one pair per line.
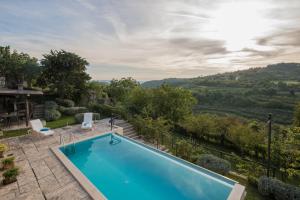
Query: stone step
x,y
135,137
130,135
129,128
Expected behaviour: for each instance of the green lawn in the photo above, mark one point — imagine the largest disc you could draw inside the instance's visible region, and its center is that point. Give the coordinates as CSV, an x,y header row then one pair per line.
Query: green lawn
x,y
61,122
14,133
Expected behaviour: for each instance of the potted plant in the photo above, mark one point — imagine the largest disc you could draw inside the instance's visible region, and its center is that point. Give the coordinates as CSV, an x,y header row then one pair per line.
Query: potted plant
x,y
10,175
3,148
8,163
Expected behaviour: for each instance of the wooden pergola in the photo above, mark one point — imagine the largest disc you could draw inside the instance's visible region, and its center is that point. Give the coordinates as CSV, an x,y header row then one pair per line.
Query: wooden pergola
x,y
5,92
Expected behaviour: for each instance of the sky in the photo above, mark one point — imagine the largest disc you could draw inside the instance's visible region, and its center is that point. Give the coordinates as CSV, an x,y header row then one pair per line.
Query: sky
x,y
156,39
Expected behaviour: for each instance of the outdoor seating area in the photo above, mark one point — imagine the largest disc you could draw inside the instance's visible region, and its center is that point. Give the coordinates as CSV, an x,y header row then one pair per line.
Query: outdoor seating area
x,y
42,176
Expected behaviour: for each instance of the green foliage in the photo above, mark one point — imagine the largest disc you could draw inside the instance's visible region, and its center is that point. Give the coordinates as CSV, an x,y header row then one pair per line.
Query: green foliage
x,y
61,122
64,74
252,180
214,163
245,93
96,93
10,175
173,103
184,150
109,110
74,110
297,115
52,115
8,160
79,117
3,147
18,67
65,102
119,89
280,191
51,105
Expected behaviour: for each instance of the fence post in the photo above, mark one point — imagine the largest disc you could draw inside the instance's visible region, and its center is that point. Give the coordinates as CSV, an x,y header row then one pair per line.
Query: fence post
x,y
269,143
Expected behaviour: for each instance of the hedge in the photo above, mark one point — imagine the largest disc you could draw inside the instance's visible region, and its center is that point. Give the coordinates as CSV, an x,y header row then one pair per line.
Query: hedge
x,y
51,105
214,163
73,110
51,115
278,190
79,117
65,102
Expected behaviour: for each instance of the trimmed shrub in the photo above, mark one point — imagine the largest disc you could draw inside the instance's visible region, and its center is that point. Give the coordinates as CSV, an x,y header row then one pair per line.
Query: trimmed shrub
x,y
51,115
252,180
277,189
51,105
214,163
65,102
108,110
79,117
74,110
62,109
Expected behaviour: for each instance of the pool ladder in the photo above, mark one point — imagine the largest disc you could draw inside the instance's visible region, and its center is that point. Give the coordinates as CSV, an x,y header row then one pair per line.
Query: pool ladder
x,y
71,141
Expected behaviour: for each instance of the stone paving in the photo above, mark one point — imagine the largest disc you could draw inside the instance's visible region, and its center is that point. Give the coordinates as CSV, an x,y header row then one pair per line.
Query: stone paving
x,y
42,175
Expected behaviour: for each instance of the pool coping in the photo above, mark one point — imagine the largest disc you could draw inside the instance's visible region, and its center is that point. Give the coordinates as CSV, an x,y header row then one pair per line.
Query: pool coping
x,y
238,191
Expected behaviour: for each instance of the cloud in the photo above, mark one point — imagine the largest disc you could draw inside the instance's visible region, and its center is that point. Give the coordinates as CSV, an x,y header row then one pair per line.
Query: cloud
x,y
151,39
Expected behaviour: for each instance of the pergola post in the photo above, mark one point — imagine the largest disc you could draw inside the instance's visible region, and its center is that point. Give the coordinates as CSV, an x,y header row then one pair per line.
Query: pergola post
x,y
27,110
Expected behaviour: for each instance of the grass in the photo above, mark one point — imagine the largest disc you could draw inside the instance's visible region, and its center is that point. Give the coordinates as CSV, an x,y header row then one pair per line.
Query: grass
x,y
14,133
252,192
61,122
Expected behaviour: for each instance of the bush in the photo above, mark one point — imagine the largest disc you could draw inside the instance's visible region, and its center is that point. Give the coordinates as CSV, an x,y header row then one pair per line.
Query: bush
x,y
79,117
8,163
62,109
278,190
51,105
52,115
107,110
214,163
74,110
10,175
252,180
65,102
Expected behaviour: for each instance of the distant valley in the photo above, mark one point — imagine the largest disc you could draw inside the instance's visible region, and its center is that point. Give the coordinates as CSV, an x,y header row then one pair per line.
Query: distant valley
x,y
252,93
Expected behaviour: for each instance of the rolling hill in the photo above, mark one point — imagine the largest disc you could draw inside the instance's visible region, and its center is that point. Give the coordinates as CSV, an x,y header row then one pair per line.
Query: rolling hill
x,y
252,93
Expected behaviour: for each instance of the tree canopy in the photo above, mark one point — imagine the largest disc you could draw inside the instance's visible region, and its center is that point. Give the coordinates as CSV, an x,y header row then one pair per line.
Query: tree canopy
x,y
64,73
18,67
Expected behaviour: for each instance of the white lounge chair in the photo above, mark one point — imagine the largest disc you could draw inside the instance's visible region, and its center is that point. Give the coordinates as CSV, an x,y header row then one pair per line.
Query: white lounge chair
x,y
87,121
38,128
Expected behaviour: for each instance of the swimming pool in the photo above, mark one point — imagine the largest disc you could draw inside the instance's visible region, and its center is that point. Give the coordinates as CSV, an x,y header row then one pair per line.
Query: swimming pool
x,y
120,168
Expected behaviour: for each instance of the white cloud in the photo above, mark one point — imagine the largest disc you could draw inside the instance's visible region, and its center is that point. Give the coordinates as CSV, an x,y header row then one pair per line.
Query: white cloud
x,y
151,39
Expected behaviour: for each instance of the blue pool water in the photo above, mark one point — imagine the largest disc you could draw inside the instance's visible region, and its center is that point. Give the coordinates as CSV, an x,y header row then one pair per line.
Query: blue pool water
x,y
128,170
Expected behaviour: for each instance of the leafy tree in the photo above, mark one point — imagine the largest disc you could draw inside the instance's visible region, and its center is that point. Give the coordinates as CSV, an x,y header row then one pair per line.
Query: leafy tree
x,y
95,93
173,103
18,67
297,115
139,101
119,89
64,73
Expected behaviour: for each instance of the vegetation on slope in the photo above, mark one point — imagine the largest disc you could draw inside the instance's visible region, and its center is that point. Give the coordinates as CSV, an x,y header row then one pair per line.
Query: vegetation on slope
x,y
249,93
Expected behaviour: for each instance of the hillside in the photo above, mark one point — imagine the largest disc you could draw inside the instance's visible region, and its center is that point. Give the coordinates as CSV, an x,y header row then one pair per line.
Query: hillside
x,y
251,93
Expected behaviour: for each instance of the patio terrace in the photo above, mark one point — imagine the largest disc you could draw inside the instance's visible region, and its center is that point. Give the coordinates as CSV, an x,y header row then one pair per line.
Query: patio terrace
x,y
42,175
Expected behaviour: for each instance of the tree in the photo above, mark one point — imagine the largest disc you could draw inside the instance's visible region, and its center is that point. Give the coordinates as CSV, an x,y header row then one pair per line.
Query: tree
x,y
297,115
18,67
64,73
119,89
173,103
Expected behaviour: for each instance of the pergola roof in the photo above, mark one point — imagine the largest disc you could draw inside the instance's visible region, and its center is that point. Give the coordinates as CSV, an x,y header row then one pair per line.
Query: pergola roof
x,y
6,91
